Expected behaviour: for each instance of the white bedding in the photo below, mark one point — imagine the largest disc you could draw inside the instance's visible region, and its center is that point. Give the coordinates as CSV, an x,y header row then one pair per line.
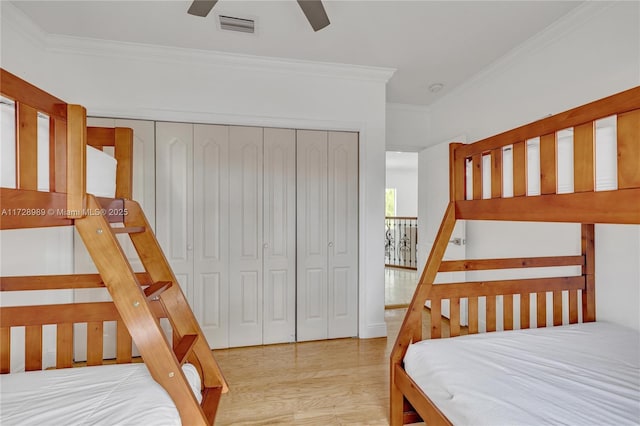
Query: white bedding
x,y
581,374
101,173
107,395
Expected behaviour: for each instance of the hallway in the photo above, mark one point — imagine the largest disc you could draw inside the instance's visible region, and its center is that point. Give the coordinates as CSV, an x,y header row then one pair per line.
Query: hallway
x,y
399,286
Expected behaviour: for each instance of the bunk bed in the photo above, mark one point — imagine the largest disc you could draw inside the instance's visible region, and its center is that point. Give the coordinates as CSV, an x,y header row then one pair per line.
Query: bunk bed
x,y
568,370
180,381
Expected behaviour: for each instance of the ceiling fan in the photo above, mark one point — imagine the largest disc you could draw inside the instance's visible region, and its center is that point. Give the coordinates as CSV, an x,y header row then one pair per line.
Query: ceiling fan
x,y
313,10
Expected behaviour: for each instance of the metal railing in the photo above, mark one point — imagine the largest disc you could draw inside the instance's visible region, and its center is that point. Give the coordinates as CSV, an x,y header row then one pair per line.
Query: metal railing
x,y
400,242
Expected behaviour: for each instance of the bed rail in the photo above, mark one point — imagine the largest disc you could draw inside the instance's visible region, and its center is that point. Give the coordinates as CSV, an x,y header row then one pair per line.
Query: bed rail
x,y
477,192
473,201
66,140
65,198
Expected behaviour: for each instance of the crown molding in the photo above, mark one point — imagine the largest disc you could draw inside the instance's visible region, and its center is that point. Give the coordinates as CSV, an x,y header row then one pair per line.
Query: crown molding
x,y
541,40
62,44
14,19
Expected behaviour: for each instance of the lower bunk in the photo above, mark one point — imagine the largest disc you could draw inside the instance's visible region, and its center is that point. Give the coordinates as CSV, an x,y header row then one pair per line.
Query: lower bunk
x,y
116,394
579,374
44,350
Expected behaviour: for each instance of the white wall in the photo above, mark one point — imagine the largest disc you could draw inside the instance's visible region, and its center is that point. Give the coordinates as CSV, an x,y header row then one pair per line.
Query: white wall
x,y
407,127
402,174
147,82
591,53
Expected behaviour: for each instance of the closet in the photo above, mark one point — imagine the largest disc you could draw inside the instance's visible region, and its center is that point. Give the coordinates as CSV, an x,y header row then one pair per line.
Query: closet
x,y
327,246
225,209
260,226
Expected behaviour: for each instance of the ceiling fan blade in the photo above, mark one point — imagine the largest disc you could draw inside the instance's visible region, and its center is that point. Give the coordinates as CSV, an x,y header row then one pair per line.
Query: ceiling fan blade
x,y
201,7
315,13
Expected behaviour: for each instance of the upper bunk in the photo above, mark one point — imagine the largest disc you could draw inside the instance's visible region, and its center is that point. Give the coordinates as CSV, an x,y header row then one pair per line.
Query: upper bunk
x,y
483,186
45,172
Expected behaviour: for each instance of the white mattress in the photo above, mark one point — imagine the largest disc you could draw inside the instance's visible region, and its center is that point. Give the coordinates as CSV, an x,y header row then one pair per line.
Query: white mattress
x,y
581,374
107,395
101,173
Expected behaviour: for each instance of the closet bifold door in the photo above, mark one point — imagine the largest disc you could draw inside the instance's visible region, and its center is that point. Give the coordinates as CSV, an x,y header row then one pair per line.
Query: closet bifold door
x,y
327,211
211,232
245,236
174,199
342,257
279,244
312,247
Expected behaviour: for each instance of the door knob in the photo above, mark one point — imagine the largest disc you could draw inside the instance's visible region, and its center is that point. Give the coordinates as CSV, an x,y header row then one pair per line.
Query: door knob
x,y
330,244
265,246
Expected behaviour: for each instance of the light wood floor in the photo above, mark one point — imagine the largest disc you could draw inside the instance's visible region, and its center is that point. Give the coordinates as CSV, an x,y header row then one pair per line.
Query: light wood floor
x,y
334,382
399,286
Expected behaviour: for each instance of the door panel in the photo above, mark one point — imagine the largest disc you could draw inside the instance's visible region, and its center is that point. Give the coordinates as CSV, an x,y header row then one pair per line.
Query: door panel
x,y
174,199
245,227
343,234
211,231
279,219
312,247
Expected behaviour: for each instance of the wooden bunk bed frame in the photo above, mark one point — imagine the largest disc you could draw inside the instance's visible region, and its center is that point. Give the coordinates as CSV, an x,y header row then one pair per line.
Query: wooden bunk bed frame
x,y
139,299
408,403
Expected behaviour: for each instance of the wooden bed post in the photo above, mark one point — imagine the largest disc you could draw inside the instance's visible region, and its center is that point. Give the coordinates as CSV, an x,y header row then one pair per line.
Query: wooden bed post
x,y
413,318
76,161
124,168
588,271
26,147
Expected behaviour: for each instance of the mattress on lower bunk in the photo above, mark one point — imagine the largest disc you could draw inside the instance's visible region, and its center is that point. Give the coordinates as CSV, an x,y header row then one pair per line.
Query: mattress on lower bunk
x,y
577,374
122,394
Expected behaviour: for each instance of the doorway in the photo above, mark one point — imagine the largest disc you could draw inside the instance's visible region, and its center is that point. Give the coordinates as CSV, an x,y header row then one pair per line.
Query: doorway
x,y
401,228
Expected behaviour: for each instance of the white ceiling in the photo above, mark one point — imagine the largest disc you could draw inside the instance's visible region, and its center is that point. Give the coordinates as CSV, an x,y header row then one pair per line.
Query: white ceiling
x,y
401,160
426,41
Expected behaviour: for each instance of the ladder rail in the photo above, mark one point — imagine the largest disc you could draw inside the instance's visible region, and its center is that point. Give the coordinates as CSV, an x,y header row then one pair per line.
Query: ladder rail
x,y
135,311
173,299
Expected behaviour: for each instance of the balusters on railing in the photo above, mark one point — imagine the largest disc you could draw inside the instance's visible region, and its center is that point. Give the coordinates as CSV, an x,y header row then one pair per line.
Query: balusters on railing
x,y
401,239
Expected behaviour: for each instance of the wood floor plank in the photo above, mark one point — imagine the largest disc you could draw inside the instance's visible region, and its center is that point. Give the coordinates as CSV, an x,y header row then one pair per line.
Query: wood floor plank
x,y
332,382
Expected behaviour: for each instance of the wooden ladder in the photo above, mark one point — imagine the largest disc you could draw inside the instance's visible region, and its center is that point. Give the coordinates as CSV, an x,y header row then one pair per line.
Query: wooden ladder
x,y
163,359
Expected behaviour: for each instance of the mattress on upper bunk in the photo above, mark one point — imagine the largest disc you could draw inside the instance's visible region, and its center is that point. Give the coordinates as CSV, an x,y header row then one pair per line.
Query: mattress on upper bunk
x,y
121,394
580,374
101,173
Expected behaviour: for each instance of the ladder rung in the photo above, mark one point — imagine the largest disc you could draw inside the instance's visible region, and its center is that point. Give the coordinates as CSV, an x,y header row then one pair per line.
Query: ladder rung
x,y
128,230
210,401
155,289
184,346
